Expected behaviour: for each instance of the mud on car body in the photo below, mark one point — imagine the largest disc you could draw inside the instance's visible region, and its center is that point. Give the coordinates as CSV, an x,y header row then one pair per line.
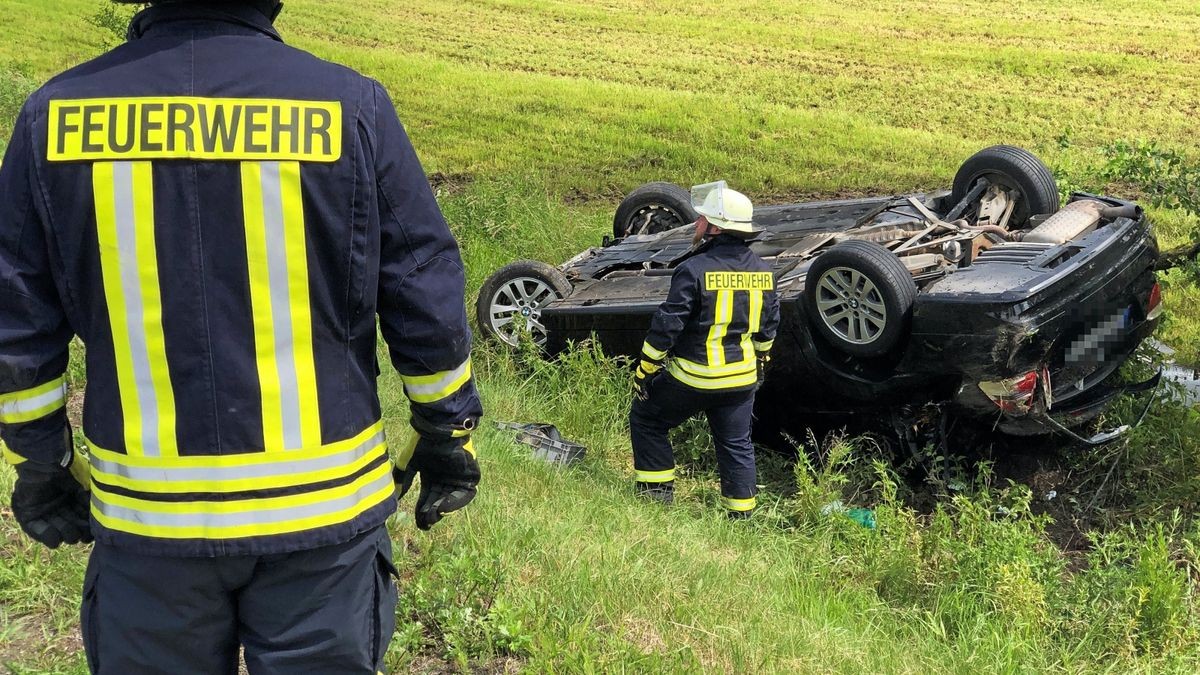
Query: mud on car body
x,y
988,297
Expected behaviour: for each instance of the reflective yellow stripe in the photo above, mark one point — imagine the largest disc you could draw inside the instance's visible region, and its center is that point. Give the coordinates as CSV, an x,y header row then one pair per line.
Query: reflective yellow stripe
x,y
435,387
260,300
243,506
248,518
276,254
746,379
722,315
700,370
654,476
301,303
649,367
763,346
233,462
34,403
287,473
124,200
11,457
756,303
156,347
652,353
114,297
740,504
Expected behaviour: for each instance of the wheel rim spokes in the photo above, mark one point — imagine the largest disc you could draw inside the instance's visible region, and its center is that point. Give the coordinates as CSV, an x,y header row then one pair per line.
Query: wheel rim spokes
x,y
651,220
851,305
517,308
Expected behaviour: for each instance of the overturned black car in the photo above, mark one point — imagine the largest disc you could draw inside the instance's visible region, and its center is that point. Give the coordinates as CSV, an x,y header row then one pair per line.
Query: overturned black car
x,y
989,297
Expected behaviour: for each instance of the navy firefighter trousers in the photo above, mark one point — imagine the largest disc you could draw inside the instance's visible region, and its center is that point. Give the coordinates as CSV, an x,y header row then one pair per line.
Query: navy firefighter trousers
x,y
330,609
670,403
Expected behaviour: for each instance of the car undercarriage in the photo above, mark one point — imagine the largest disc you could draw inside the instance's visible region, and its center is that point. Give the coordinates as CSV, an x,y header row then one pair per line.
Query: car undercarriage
x,y
988,298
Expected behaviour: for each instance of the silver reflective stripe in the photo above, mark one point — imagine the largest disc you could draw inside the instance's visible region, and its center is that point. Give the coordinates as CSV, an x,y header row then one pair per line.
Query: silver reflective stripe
x,y
281,306
267,469
198,518
38,402
438,387
126,227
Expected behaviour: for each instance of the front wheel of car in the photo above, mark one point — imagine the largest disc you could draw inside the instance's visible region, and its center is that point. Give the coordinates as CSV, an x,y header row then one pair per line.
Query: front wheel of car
x,y
511,301
653,208
859,297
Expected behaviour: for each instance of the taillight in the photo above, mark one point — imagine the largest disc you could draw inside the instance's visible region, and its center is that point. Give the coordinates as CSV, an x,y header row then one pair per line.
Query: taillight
x,y
1154,306
1014,395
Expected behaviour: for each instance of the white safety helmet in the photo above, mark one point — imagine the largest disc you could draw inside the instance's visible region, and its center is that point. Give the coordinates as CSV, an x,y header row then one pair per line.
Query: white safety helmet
x,y
727,209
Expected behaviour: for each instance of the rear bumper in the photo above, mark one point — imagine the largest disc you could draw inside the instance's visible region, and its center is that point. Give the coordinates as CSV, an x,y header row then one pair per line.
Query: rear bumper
x,y
1059,421
1060,417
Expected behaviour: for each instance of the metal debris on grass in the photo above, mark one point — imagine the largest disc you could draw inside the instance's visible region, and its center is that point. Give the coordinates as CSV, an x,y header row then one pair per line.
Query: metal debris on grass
x,y
548,445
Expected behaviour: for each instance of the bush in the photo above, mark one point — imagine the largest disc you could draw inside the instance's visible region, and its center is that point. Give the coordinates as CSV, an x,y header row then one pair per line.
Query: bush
x,y
983,563
113,21
1135,595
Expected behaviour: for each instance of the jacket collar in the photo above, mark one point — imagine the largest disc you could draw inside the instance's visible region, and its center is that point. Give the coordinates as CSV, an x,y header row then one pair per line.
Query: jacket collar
x,y
728,240
196,19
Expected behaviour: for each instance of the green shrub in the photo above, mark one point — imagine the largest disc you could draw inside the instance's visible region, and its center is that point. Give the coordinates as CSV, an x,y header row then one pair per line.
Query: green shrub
x,y
1135,594
16,84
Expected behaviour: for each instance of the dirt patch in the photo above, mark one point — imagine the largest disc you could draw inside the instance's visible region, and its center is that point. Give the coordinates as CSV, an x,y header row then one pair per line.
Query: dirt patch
x,y
29,638
1058,491
770,196
642,634
432,665
449,183
610,195
75,408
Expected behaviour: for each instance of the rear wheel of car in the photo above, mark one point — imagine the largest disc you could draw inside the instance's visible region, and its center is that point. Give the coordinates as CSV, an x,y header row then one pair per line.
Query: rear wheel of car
x,y
860,297
653,208
510,302
1017,170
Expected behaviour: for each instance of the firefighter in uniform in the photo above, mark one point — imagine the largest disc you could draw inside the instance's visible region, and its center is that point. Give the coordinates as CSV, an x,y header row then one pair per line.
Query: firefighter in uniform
x,y
220,218
712,337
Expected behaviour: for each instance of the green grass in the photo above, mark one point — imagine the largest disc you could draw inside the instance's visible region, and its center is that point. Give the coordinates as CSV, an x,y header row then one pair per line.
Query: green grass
x,y
537,116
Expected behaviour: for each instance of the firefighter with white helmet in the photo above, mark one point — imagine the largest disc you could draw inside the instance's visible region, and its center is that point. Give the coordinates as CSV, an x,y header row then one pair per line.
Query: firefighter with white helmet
x,y
705,351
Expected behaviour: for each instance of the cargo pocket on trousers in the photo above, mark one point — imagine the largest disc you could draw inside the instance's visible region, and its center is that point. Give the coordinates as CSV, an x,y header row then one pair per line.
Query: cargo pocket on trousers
x,y
383,624
89,621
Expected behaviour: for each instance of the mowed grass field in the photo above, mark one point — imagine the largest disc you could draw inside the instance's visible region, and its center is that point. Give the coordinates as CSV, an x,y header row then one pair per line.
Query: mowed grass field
x,y
533,118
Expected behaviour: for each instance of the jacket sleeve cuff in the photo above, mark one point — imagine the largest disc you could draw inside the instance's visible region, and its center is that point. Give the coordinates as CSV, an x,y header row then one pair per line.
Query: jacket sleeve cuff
x,y
651,354
34,403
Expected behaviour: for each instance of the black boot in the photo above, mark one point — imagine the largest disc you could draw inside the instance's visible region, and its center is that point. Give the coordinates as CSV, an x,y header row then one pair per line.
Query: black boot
x,y
739,515
663,493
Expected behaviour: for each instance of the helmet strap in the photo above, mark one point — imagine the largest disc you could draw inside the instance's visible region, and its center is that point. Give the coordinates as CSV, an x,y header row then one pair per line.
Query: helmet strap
x,y
701,230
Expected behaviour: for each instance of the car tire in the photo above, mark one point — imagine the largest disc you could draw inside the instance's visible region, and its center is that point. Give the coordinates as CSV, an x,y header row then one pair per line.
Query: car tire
x,y
859,296
1015,168
519,289
653,208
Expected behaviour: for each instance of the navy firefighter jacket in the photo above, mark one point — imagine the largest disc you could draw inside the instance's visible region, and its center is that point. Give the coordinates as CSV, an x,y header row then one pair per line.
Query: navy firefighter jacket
x,y
221,218
719,316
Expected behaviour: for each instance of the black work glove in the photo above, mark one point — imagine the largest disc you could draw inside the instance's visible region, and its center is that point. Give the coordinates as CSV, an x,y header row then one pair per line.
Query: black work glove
x,y
51,503
449,477
647,372
763,359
